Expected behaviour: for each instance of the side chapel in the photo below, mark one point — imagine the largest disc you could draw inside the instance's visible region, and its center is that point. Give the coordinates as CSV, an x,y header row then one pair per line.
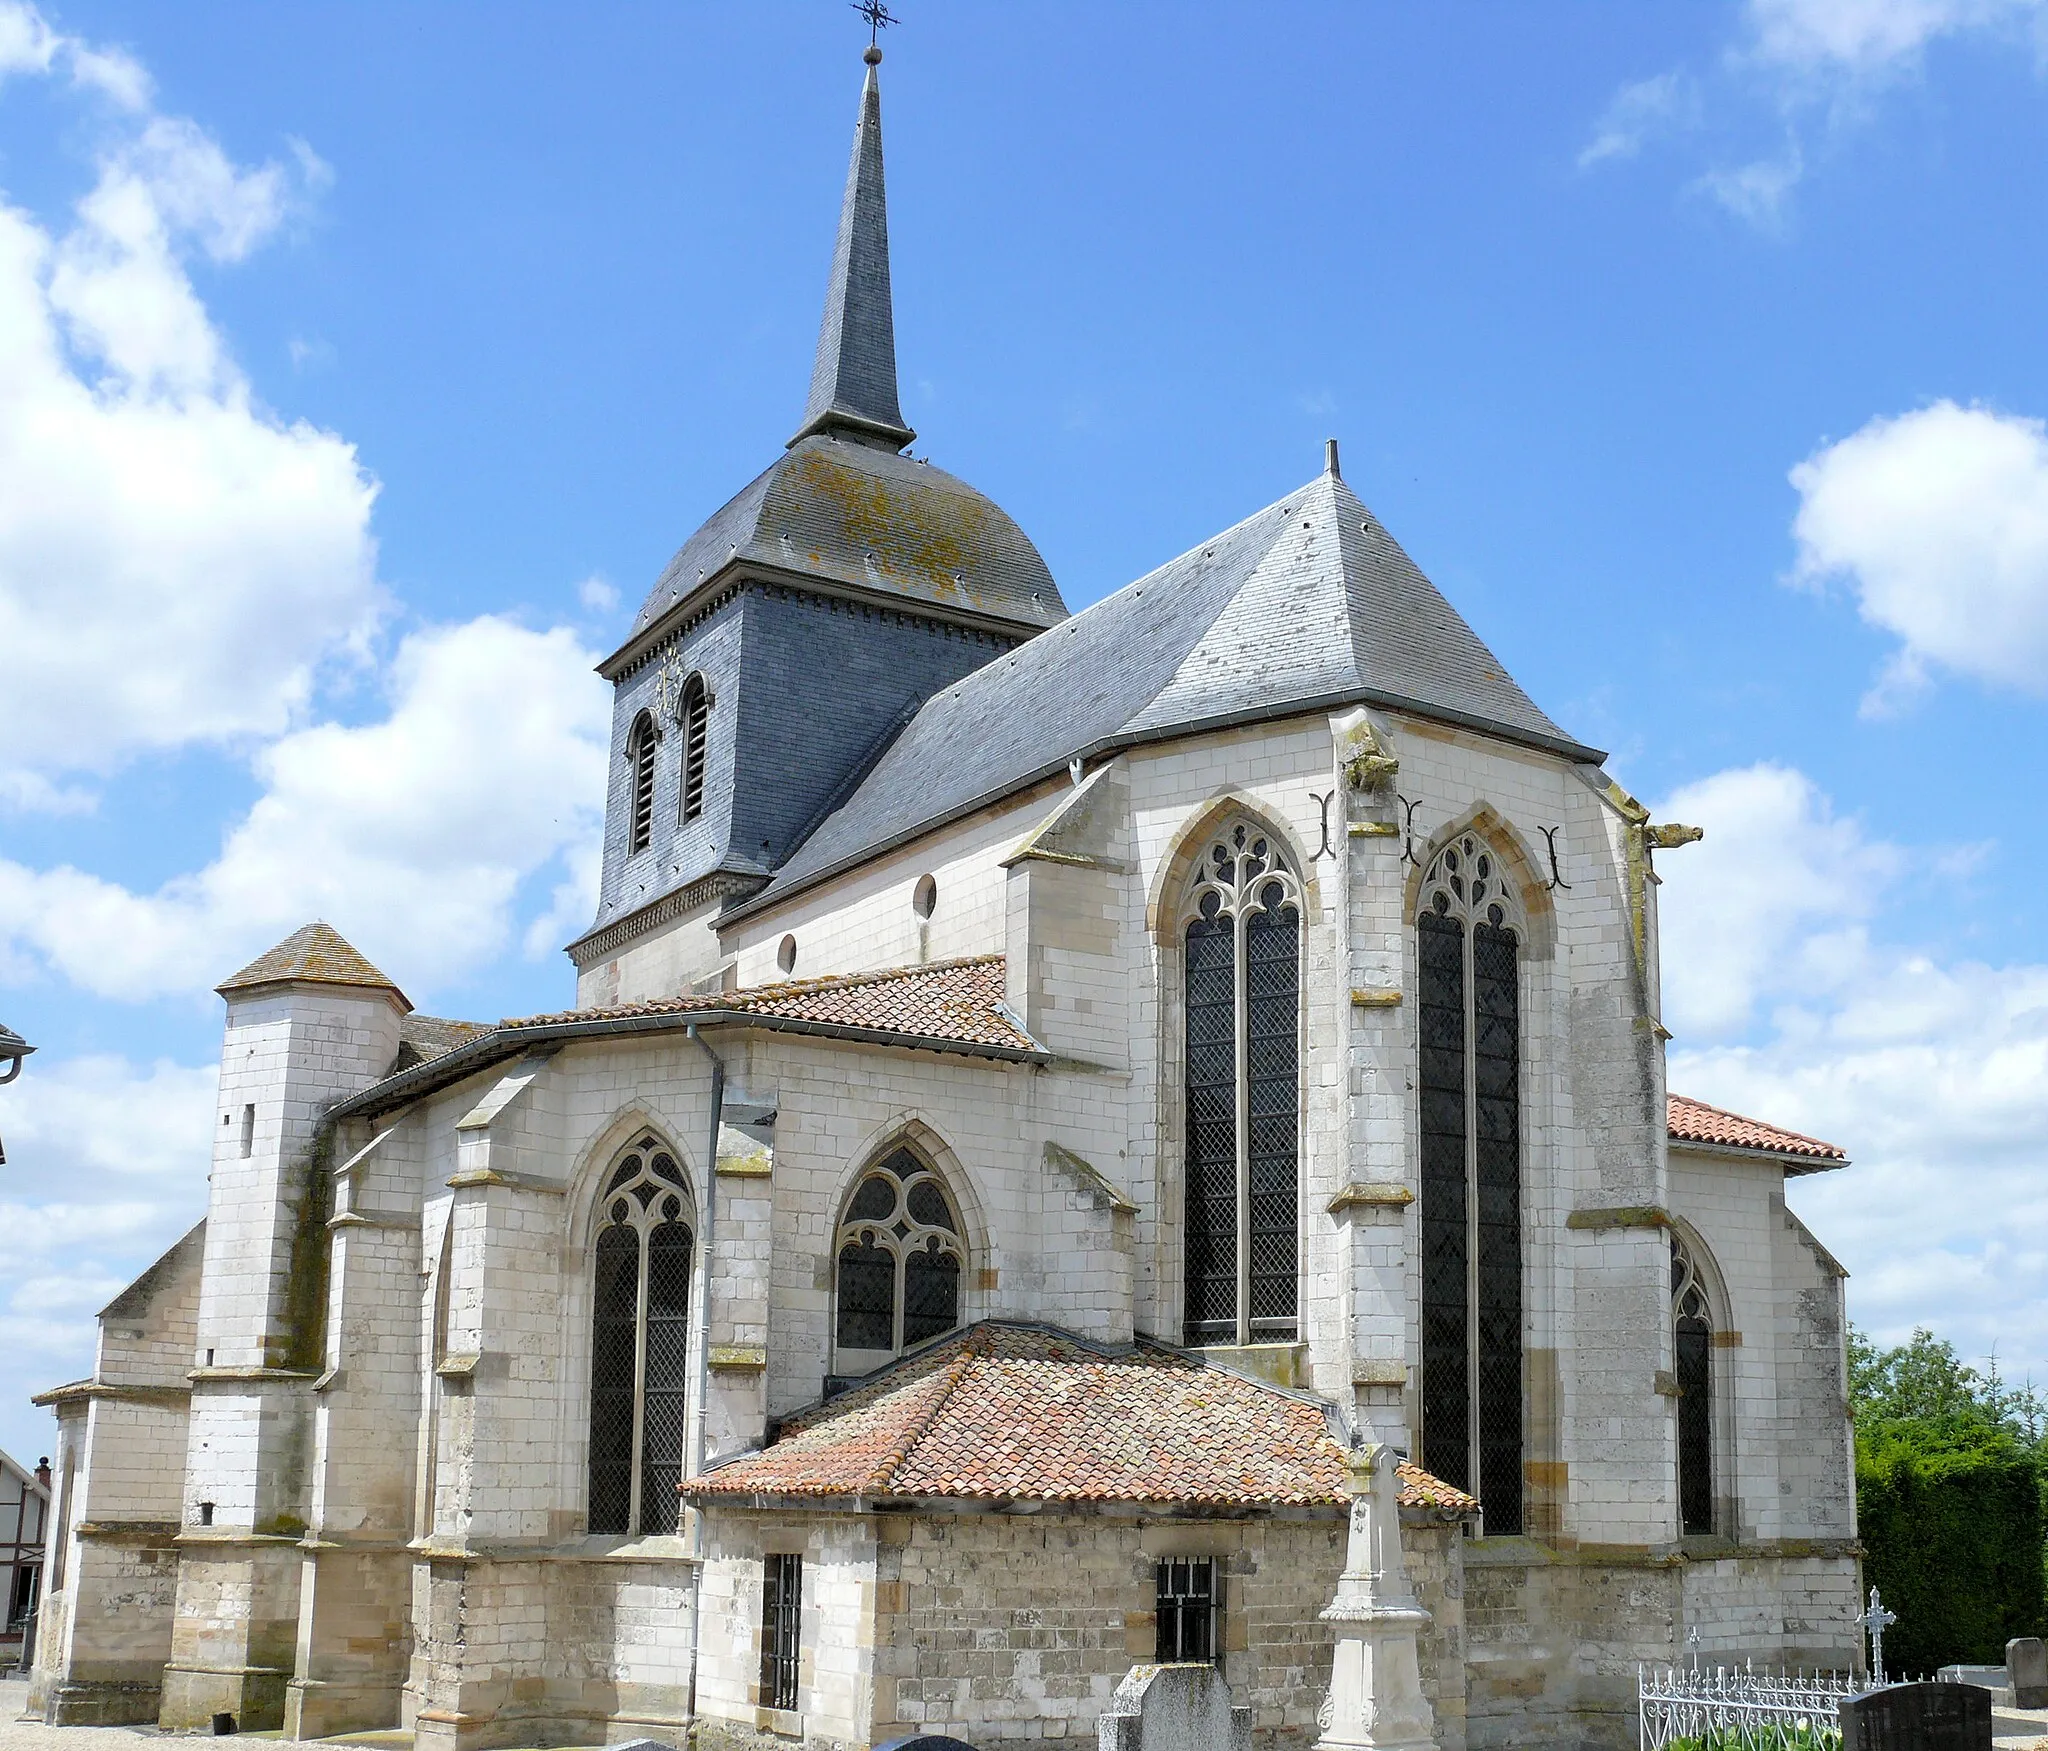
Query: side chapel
x,y
1040,1088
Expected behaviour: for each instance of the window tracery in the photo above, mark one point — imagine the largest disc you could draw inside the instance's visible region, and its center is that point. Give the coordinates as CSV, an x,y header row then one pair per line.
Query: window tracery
x,y
900,1258
1241,932
1692,1328
1469,930
639,1343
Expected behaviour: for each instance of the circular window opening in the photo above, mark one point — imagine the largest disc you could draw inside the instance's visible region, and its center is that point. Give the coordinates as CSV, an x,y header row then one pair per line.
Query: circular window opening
x,y
785,954
925,896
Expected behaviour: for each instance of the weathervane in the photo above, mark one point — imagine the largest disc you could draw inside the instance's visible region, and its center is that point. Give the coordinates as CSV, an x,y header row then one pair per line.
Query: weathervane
x,y
879,19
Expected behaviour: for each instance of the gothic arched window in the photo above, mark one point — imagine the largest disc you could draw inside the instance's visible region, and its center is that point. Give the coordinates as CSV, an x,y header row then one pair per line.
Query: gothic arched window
x,y
1692,1329
640,760
1468,935
1241,926
900,1256
695,716
639,1343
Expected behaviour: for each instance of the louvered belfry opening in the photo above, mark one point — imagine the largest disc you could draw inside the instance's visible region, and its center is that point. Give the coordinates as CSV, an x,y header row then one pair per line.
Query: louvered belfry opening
x,y
1241,935
696,718
640,747
1693,1352
639,1344
1468,937
900,1258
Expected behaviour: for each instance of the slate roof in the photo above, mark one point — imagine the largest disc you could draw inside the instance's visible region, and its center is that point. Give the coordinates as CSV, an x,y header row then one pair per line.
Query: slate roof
x,y
425,1037
1308,604
880,523
1009,1412
314,954
12,1045
853,380
1693,1121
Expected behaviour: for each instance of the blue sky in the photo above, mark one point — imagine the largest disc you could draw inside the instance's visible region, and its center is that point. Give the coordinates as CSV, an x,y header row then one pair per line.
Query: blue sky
x,y
366,365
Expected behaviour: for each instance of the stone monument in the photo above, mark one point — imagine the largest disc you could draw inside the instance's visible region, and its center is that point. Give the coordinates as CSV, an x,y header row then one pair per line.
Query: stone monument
x,y
1181,1707
2026,1670
1376,1698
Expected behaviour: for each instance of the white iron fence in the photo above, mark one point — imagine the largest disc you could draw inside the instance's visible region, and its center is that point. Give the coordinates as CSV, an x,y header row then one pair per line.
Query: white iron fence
x,y
1741,1709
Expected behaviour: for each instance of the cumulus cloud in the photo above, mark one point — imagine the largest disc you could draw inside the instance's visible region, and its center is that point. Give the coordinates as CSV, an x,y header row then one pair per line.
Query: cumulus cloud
x,y
411,834
1870,38
1791,1001
106,1167
175,561
1937,520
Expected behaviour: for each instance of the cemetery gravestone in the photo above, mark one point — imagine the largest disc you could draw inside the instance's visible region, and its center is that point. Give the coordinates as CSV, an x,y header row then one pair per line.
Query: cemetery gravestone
x,y
1918,1717
1174,1708
2026,1668
926,1742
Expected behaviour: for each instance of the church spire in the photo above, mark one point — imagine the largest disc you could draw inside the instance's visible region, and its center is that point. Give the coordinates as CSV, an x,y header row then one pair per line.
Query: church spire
x,y
853,383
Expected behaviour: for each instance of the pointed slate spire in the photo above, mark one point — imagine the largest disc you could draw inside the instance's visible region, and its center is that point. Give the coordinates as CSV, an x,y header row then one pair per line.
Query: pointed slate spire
x,y
853,383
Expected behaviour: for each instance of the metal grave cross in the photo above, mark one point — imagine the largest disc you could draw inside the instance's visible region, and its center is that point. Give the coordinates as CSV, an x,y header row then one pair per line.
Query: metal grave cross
x,y
1876,1621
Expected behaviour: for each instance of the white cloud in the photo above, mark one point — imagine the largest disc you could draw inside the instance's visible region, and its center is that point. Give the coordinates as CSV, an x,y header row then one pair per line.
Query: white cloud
x,y
1938,520
1790,1004
1757,192
411,835
1646,110
1869,38
175,562
598,594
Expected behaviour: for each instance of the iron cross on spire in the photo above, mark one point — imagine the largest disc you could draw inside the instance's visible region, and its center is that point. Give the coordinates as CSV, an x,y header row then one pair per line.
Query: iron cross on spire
x,y
879,19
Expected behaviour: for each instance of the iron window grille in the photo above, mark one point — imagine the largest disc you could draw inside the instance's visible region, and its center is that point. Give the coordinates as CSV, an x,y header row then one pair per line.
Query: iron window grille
x,y
782,1602
1693,1347
900,1260
696,721
640,759
1186,1608
1468,935
1241,927
639,1345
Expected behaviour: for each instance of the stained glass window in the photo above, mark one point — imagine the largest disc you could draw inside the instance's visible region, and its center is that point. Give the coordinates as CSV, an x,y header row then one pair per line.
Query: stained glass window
x,y
639,1344
1693,1350
1241,931
900,1255
1468,976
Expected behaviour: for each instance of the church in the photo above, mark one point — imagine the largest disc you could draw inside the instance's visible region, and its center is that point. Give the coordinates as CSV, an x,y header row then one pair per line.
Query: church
x,y
1040,1088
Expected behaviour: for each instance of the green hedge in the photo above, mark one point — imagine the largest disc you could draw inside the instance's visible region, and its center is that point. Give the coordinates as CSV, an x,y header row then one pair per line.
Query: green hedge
x,y
1953,1541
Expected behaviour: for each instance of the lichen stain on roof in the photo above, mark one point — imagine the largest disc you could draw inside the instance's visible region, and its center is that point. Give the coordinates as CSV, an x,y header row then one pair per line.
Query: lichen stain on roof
x,y
932,539
314,954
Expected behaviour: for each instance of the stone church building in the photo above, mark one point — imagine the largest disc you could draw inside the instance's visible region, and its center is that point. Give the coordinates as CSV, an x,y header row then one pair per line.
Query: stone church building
x,y
1040,1087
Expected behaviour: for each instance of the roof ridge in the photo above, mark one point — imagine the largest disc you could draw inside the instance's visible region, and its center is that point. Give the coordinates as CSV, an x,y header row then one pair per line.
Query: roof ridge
x,y
955,1371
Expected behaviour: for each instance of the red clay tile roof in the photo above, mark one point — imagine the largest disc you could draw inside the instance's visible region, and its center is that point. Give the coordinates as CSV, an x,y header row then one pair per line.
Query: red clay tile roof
x,y
1004,1412
314,954
943,1000
1693,1121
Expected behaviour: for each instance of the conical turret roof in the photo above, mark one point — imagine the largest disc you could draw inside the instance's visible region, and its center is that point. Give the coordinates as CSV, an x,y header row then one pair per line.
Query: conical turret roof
x,y
314,954
1309,604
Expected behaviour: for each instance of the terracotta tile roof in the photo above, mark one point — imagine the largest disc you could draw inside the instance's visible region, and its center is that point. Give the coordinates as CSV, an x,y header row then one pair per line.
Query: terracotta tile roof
x,y
314,954
942,1000
1693,1121
422,1038
1005,1412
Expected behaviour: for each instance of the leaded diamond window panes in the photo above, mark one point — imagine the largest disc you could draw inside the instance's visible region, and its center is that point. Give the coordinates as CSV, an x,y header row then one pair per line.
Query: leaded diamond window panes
x,y
1241,1152
1692,1355
639,1344
1468,974
900,1258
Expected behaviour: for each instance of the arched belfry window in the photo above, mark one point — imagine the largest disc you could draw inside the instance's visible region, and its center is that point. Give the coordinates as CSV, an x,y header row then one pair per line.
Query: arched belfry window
x,y
1241,928
639,1343
1692,1328
694,715
900,1256
640,744
1469,930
